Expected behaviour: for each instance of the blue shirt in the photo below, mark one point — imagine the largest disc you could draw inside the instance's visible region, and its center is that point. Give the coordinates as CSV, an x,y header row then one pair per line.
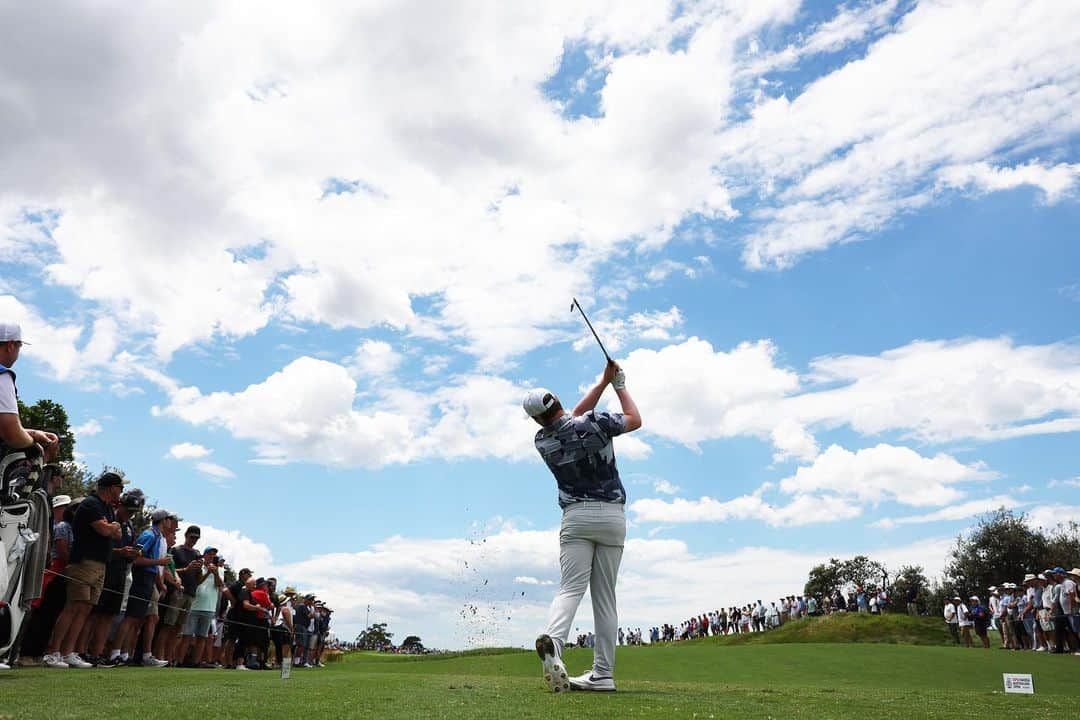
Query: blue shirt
x,y
580,454
153,545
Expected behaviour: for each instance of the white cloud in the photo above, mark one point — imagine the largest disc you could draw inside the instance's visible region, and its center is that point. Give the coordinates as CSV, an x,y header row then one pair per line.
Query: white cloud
x,y
1069,482
885,472
1055,181
955,84
306,411
638,328
957,511
214,470
665,487
800,510
87,429
373,358
187,451
529,580
792,440
1049,516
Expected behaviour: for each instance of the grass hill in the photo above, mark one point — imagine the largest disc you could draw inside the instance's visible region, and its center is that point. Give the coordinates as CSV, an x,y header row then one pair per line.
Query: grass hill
x,y
851,628
878,676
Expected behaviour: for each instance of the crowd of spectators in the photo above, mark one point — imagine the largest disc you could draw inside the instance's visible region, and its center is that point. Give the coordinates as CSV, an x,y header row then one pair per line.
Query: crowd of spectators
x,y
112,596
1041,614
759,617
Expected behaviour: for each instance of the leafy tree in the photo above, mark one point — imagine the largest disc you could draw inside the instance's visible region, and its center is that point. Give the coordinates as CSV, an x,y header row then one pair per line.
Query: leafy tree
x,y
51,416
1001,548
412,644
374,637
1063,545
844,575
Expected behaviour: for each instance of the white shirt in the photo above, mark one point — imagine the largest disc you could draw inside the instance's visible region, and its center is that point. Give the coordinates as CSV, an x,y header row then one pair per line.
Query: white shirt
x,y
950,613
962,615
8,402
1068,592
1048,597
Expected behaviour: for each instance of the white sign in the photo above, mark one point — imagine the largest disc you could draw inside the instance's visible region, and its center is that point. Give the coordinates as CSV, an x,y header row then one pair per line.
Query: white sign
x,y
1018,683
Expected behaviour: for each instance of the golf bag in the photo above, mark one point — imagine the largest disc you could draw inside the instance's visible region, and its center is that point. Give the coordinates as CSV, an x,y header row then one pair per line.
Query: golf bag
x,y
25,519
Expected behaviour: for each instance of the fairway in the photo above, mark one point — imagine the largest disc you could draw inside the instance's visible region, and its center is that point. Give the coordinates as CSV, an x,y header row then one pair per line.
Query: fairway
x,y
699,679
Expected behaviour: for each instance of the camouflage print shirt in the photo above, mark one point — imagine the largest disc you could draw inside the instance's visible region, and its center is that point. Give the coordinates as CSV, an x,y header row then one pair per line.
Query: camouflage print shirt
x,y
579,452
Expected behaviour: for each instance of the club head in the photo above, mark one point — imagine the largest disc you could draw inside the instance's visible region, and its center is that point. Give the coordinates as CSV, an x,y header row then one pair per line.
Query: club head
x,y
573,302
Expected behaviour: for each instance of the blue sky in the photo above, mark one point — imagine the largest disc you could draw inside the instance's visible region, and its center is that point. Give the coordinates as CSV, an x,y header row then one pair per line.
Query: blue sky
x,y
294,275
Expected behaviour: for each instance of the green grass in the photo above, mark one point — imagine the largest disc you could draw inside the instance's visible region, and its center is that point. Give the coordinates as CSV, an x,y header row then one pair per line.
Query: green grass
x,y
703,679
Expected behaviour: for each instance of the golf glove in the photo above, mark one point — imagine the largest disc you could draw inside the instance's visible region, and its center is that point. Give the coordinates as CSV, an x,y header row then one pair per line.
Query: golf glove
x,y
619,381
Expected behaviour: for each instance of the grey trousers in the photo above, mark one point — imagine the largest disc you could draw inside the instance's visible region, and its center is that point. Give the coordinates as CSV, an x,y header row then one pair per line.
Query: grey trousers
x,y
590,550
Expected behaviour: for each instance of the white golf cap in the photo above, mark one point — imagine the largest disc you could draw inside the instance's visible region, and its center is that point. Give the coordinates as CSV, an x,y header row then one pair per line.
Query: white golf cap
x,y
538,401
11,332
61,500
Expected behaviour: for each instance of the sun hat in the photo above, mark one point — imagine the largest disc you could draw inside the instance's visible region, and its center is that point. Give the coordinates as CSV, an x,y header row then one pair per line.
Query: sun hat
x,y
1029,578
61,501
539,401
992,588
289,590
974,597
11,332
1074,571
1042,577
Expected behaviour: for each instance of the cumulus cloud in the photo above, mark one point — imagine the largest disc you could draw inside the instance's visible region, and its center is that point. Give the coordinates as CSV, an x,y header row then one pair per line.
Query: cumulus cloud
x,y
187,451
374,358
87,429
1054,181
800,510
886,472
932,391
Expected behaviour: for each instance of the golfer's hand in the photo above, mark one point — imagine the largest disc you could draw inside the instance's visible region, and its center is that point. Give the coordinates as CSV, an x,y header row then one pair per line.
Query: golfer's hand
x,y
610,371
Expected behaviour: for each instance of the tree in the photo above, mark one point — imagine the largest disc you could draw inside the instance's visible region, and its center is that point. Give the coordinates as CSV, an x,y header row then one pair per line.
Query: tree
x,y
1001,548
844,575
1063,544
412,644
48,415
374,638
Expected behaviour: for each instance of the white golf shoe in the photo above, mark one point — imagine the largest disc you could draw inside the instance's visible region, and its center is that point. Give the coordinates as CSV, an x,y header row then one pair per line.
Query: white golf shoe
x,y
54,660
591,683
554,671
73,660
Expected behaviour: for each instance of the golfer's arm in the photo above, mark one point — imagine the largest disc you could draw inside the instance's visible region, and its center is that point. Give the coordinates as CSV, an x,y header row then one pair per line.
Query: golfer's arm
x,y
592,397
12,432
629,409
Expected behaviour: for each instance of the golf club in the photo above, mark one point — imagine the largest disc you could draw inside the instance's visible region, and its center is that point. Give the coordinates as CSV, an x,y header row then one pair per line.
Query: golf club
x,y
574,303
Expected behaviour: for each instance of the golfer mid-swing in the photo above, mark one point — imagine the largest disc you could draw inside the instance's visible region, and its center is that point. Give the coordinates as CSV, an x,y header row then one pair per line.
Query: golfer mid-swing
x,y
578,450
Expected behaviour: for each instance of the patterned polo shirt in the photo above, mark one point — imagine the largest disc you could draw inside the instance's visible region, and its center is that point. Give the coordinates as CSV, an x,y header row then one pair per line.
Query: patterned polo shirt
x,y
580,454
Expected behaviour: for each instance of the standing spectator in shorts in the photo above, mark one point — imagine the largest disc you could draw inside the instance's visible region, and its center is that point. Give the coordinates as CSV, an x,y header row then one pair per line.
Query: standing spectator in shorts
x,y
200,619
301,620
1002,618
950,619
963,620
261,637
1064,597
282,633
117,574
187,561
146,585
94,527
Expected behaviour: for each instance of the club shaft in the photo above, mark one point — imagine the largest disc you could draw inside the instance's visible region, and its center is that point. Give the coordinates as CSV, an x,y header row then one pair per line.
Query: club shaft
x,y
592,330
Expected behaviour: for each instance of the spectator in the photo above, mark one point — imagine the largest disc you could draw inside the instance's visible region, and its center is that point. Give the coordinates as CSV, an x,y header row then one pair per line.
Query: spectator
x,y
963,620
117,576
980,619
146,585
187,561
12,433
1071,591
233,649
200,619
94,527
282,633
951,620
912,599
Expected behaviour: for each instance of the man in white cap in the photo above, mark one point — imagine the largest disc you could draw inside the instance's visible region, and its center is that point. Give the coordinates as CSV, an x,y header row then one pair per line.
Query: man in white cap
x,y
12,434
950,618
578,450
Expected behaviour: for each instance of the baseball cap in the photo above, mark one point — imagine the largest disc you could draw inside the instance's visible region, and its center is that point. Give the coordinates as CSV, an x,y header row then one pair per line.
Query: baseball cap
x,y
11,332
1059,570
61,501
974,597
111,479
193,530
209,550
162,514
538,401
133,499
